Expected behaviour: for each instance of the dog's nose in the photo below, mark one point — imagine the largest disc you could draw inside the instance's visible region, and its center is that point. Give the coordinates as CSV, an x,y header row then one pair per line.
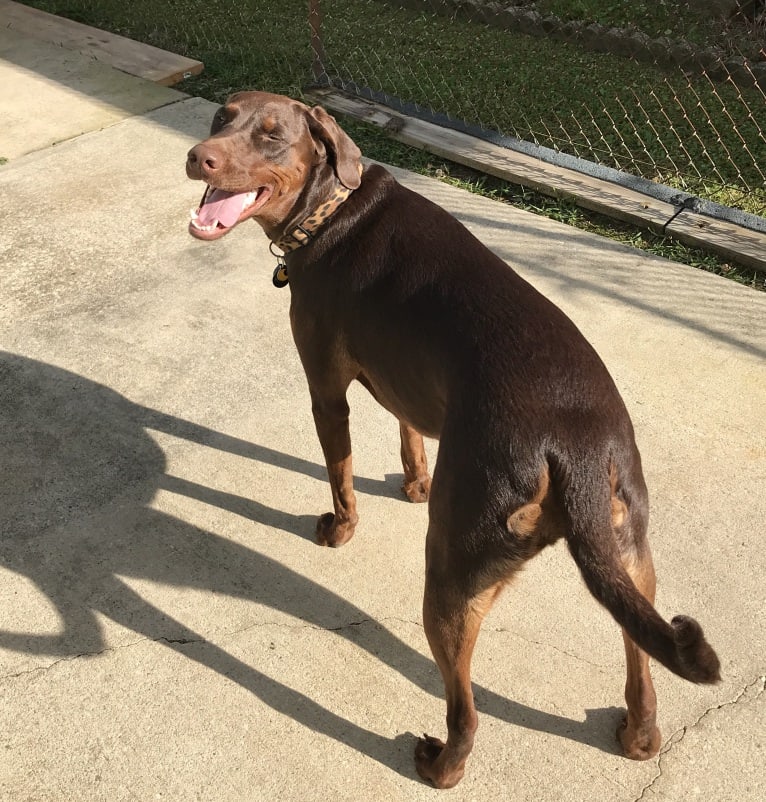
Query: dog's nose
x,y
202,160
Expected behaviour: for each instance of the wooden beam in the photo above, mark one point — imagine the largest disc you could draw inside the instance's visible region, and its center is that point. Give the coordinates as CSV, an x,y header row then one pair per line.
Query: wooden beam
x,y
726,239
518,168
135,58
735,242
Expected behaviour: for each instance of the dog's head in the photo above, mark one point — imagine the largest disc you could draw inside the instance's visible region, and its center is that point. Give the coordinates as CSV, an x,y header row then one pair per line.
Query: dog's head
x,y
262,152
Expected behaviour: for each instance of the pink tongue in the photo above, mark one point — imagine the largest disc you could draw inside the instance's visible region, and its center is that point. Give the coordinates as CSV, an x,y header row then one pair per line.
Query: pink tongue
x,y
225,207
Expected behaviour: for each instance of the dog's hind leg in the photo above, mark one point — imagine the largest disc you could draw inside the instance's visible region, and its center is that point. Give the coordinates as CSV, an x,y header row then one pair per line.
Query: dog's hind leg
x,y
464,575
417,482
638,732
452,622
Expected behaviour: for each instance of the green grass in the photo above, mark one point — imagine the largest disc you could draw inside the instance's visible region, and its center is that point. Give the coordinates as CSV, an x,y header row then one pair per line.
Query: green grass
x,y
260,44
683,130
674,19
516,84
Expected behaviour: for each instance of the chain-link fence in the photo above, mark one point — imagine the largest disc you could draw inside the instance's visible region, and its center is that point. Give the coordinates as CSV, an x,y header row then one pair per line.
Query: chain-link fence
x,y
686,109
688,115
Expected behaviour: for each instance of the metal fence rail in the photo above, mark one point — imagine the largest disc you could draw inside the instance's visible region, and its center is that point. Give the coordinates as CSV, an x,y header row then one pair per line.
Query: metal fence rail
x,y
691,118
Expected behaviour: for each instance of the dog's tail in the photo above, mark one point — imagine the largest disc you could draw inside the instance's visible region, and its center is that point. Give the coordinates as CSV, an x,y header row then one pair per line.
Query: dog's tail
x,y
679,645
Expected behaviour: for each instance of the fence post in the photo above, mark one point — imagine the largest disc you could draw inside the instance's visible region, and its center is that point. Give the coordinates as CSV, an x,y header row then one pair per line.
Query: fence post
x,y
317,47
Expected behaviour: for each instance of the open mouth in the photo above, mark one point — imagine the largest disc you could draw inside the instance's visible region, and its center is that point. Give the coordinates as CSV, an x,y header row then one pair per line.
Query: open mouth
x,y
219,211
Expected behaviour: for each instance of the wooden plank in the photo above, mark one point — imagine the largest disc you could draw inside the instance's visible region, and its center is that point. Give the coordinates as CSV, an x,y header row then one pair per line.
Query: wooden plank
x,y
518,168
135,58
727,239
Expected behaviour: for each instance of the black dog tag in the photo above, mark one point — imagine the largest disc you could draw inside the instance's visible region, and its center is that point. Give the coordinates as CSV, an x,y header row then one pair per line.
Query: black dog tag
x,y
279,279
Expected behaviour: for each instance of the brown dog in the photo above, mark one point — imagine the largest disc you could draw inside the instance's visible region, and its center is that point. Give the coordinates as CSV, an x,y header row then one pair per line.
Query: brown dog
x,y
535,441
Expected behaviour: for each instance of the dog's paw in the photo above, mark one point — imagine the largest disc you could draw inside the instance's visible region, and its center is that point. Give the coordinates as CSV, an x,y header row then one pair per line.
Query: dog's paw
x,y
639,743
331,532
431,768
418,490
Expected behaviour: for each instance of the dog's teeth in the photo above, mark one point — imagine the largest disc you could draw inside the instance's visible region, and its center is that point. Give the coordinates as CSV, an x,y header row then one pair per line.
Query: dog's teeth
x,y
199,227
195,221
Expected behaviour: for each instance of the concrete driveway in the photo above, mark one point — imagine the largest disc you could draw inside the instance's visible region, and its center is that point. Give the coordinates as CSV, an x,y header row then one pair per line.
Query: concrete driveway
x,y
169,630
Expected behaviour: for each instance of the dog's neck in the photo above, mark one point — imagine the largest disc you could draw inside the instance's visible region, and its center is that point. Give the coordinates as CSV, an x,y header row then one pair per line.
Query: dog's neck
x,y
302,233
295,235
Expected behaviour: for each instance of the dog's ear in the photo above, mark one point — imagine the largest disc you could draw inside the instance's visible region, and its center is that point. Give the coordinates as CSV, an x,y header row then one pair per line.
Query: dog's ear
x,y
342,153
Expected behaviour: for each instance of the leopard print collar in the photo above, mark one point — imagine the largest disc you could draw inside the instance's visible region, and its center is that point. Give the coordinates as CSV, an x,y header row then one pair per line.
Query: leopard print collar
x,y
303,233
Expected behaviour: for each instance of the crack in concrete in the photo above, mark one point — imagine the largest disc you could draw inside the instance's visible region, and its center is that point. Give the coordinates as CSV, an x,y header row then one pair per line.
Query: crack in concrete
x,y
679,734
338,628
192,641
280,625
68,659
555,648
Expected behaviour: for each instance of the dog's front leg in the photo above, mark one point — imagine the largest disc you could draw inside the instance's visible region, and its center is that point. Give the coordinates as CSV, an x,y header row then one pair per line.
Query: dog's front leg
x,y
331,420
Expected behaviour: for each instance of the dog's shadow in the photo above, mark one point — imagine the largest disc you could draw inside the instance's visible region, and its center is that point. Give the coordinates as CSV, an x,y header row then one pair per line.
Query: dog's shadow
x,y
70,446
